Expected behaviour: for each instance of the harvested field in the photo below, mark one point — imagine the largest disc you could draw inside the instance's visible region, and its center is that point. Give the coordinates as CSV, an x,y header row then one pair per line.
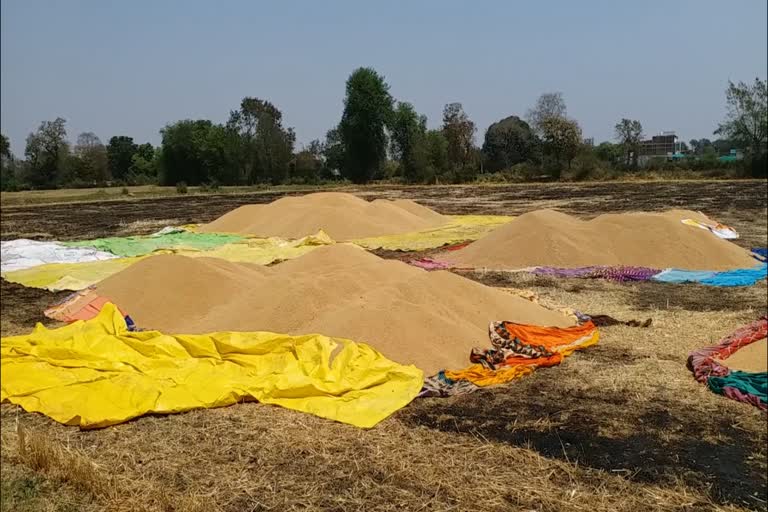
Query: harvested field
x,y
621,426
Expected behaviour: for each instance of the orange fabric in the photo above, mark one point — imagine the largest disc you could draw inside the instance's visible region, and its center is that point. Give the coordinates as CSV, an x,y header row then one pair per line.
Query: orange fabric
x,y
83,305
562,341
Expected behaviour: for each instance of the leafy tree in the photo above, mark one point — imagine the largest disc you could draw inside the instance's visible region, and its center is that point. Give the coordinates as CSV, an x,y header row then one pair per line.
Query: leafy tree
x,y
459,131
333,153
562,139
549,105
609,152
306,166
429,156
265,148
144,165
367,113
508,142
46,153
723,146
5,146
629,133
120,151
7,174
746,121
90,160
315,148
196,152
408,130
699,146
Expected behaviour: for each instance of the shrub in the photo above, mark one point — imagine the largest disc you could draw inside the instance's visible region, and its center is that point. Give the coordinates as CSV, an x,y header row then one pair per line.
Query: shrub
x,y
181,187
125,191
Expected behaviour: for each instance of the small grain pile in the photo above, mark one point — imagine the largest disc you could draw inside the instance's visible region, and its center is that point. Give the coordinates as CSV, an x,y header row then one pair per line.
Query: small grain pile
x,y
655,240
343,216
430,319
751,358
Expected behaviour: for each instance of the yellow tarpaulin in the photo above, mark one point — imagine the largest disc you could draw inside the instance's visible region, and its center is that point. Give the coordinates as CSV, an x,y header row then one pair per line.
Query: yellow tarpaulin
x,y
97,373
69,276
263,251
459,229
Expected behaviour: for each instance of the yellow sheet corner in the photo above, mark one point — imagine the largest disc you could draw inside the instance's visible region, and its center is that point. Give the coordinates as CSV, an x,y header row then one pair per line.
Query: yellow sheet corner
x,y
97,373
460,228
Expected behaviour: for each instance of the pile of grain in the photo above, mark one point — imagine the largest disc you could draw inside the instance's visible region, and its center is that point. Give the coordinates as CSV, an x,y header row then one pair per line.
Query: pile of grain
x,y
655,240
751,358
343,216
430,319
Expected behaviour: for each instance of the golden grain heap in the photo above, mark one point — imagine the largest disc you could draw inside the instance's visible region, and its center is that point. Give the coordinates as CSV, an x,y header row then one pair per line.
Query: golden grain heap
x,y
430,319
655,240
343,216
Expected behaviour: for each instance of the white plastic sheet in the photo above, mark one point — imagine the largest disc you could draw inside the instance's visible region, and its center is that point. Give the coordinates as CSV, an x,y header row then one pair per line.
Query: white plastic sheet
x,y
21,254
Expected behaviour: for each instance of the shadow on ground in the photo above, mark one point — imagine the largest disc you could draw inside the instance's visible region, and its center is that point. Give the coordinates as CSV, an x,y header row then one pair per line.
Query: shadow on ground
x,y
658,442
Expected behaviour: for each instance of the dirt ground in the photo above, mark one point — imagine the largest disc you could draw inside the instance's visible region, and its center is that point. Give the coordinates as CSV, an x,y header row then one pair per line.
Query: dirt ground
x,y
620,426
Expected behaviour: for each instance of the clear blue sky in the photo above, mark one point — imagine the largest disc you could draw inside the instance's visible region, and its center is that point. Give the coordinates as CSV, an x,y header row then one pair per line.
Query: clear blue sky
x,y
129,68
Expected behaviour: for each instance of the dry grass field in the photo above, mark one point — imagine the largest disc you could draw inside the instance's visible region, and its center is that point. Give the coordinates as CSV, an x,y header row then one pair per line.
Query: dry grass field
x,y
621,426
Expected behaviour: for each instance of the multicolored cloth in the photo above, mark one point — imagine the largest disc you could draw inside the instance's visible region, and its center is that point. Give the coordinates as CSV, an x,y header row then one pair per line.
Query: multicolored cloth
x,y
518,349
749,387
441,386
430,264
716,228
737,277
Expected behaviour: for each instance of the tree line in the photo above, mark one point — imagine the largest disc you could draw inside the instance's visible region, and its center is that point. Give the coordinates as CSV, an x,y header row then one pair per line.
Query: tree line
x,y
377,138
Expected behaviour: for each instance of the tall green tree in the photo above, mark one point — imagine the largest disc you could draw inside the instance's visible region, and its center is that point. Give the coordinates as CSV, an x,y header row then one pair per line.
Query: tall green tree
x,y
333,154
549,105
699,146
265,147
562,139
459,131
746,121
306,166
196,152
120,151
46,151
609,152
430,157
144,165
408,130
90,160
629,133
367,113
5,146
7,174
508,142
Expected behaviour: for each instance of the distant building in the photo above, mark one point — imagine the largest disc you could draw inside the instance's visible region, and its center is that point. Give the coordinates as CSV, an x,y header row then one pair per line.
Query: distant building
x,y
664,146
589,141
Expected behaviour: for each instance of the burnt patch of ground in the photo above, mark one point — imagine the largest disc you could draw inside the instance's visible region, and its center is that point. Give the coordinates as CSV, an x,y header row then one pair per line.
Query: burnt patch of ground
x,y
657,441
97,219
518,279
697,297
22,307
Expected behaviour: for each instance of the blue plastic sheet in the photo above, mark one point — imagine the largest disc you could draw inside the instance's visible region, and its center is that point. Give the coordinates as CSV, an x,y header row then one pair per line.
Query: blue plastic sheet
x,y
739,277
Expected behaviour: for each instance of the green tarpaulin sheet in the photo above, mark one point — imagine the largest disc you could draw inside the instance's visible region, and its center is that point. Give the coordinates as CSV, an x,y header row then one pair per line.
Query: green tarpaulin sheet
x,y
140,245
